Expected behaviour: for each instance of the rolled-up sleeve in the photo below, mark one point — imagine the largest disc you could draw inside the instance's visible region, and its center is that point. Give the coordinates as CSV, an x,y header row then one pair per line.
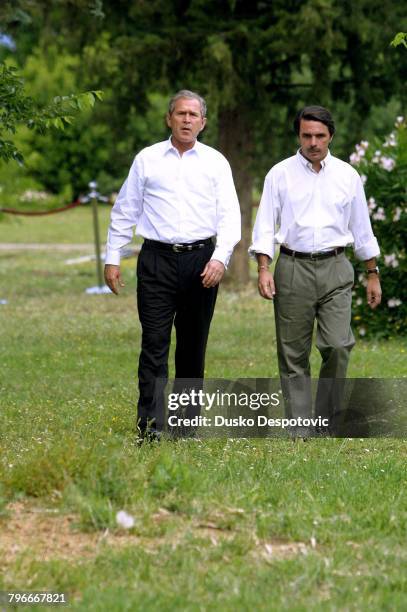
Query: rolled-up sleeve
x,y
267,219
125,213
228,220
365,243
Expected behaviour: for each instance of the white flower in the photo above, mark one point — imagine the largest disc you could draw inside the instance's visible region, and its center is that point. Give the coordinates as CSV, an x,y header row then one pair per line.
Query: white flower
x,y
363,178
360,150
399,121
362,331
391,140
393,302
359,301
397,214
30,194
125,520
364,144
379,215
387,163
354,159
391,260
371,203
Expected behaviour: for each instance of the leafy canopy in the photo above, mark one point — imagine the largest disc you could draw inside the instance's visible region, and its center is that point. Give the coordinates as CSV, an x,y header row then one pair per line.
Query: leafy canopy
x,y
17,108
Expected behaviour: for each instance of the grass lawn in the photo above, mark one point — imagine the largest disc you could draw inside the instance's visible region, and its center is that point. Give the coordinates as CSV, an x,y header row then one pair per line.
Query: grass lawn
x,y
218,525
71,226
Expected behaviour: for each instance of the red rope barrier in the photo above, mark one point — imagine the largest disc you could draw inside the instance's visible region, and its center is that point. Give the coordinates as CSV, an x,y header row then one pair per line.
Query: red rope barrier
x,y
37,213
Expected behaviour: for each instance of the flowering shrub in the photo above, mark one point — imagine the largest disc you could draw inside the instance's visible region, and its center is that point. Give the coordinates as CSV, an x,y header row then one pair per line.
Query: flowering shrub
x,y
383,168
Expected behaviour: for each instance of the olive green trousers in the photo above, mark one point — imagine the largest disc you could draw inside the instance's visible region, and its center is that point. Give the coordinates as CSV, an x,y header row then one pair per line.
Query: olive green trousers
x,y
309,291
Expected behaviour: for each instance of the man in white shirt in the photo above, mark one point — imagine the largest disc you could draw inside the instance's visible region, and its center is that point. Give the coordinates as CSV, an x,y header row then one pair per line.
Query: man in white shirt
x,y
181,196
313,205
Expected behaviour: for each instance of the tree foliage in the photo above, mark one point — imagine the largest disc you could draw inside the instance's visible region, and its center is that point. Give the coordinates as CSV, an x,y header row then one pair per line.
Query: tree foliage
x,y
256,61
399,39
17,108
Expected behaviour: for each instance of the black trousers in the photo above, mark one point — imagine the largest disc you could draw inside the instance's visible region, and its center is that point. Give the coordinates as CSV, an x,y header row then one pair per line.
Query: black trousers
x,y
170,291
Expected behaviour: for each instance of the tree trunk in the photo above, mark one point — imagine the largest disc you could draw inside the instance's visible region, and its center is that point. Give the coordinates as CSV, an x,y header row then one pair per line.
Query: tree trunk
x,y
235,142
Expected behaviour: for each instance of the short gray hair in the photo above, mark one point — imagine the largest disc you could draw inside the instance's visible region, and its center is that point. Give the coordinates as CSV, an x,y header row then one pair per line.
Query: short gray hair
x,y
191,95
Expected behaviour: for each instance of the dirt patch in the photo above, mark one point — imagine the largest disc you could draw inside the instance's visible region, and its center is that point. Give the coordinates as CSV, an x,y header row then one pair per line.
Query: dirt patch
x,y
280,549
46,534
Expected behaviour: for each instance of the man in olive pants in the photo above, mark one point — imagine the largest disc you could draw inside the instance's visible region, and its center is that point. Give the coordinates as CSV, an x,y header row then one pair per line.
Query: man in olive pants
x,y
323,291
313,205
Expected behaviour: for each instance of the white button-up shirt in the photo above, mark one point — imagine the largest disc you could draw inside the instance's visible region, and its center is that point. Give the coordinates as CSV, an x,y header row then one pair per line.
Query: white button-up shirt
x,y
313,211
177,198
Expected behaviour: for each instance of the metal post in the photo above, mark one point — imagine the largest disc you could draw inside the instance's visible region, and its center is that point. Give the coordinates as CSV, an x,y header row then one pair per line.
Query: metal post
x,y
93,195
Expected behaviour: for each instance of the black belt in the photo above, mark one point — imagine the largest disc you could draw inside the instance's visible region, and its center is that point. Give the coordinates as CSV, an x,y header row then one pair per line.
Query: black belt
x,y
315,255
179,247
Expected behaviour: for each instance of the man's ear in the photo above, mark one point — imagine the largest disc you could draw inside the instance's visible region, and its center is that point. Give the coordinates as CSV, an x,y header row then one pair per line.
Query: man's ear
x,y
203,124
168,119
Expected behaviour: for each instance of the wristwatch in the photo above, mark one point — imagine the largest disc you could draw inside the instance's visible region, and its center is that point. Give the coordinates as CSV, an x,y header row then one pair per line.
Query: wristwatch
x,y
373,270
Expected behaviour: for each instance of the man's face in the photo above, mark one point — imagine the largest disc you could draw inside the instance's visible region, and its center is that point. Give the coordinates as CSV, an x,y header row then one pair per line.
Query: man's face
x,y
186,122
314,139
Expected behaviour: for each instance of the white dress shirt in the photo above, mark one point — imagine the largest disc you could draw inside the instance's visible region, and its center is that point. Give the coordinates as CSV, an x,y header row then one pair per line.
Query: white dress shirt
x,y
313,211
177,199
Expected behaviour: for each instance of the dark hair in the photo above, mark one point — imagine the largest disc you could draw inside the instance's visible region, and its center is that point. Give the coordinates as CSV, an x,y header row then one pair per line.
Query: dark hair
x,y
314,113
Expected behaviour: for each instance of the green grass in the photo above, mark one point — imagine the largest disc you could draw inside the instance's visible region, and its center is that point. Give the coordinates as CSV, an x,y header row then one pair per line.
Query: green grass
x,y
71,226
206,513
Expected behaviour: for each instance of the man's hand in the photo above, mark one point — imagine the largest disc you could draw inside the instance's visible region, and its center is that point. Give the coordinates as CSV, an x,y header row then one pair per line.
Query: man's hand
x,y
373,290
113,278
213,273
265,284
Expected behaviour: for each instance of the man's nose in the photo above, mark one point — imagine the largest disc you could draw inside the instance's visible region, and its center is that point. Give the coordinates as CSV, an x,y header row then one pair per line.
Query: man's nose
x,y
313,141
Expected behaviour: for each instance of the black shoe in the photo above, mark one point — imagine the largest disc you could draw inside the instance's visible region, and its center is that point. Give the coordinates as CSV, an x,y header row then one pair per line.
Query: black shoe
x,y
301,433
323,431
148,436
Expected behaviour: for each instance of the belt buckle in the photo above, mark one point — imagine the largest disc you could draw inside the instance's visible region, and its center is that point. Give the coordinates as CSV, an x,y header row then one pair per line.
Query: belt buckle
x,y
177,248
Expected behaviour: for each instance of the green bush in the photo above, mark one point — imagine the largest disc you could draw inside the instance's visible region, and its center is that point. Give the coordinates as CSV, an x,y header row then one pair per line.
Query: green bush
x,y
383,168
21,191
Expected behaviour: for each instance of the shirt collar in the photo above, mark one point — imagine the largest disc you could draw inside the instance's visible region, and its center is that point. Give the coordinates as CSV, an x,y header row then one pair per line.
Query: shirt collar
x,y
308,164
170,147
